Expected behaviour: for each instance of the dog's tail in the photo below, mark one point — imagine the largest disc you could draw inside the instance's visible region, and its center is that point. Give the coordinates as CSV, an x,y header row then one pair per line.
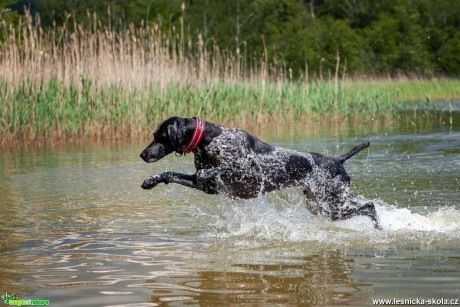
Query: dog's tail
x,y
353,152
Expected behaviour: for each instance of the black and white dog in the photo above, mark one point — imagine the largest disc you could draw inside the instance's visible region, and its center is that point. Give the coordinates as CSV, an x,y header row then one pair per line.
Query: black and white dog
x,y
231,161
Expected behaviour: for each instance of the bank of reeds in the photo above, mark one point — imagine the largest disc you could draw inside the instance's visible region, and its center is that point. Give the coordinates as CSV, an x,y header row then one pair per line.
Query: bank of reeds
x,y
98,83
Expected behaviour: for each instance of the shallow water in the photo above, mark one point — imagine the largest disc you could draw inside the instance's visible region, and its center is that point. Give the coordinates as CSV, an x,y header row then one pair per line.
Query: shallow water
x,y
78,230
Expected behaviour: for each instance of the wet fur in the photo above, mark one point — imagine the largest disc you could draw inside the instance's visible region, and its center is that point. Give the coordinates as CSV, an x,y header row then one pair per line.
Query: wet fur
x,y
233,162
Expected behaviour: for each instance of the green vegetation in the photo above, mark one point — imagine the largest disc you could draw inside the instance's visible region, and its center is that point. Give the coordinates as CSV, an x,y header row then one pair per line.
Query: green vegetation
x,y
92,79
55,110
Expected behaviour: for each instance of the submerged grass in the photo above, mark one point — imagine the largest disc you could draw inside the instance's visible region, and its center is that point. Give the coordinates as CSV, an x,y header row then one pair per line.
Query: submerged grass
x,y
96,83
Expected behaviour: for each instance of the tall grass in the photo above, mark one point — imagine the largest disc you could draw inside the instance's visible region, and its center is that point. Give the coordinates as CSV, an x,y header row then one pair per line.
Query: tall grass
x,y
98,83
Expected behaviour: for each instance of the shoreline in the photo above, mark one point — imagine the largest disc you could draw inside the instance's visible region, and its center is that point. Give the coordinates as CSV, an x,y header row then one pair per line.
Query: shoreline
x,y
265,128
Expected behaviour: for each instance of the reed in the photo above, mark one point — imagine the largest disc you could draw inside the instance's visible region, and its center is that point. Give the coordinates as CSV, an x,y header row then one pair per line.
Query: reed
x,y
96,83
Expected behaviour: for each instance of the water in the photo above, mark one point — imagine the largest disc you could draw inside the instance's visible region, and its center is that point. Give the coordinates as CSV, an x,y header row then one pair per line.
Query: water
x,y
78,230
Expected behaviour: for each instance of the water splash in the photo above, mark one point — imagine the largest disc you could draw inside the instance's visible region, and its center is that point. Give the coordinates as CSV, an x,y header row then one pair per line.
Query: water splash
x,y
280,218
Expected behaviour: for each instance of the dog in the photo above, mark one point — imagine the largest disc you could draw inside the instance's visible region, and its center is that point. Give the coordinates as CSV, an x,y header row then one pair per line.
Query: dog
x,y
233,162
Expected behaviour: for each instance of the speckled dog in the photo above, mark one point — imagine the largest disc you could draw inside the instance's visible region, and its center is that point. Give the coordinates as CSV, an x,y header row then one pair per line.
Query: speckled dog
x,y
233,162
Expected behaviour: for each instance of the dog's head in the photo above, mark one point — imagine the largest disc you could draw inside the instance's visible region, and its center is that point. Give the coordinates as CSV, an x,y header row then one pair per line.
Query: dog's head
x,y
167,138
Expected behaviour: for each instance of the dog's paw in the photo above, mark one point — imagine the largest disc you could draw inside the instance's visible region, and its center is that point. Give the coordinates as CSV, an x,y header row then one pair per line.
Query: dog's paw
x,y
151,182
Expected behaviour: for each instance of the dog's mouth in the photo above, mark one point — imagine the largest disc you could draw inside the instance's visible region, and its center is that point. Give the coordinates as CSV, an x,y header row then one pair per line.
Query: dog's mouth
x,y
149,159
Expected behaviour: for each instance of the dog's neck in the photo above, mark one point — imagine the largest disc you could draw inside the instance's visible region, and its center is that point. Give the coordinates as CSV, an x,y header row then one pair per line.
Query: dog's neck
x,y
198,132
210,132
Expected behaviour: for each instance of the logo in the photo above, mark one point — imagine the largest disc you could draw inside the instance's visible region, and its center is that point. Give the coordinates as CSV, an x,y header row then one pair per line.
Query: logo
x,y
13,300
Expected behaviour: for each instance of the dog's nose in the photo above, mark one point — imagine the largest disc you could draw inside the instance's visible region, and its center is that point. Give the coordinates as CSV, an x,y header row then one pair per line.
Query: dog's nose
x,y
143,155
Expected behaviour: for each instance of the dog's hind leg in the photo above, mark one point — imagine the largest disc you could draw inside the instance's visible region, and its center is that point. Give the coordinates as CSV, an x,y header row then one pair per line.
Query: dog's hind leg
x,y
311,202
369,210
354,209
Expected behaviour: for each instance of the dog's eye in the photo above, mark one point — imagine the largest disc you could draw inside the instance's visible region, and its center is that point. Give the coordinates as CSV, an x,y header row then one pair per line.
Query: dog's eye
x,y
159,135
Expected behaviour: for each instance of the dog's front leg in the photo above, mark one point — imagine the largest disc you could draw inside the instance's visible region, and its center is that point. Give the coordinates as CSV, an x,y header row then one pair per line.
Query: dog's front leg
x,y
168,177
206,181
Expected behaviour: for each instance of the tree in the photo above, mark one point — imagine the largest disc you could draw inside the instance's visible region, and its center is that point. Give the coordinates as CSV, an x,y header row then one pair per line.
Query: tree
x,y
448,56
7,15
380,37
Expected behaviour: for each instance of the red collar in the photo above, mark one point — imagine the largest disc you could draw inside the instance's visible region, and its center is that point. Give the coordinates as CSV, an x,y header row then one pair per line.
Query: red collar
x,y
200,126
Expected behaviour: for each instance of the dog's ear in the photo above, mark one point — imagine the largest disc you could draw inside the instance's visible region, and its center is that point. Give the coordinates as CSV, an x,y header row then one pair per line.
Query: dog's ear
x,y
176,133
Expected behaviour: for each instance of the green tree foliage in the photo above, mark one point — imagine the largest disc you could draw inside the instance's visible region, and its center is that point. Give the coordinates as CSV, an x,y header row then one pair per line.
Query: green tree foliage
x,y
376,37
449,54
7,15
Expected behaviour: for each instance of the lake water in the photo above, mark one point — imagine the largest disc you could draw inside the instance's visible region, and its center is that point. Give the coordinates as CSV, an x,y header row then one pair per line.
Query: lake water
x,y
77,229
